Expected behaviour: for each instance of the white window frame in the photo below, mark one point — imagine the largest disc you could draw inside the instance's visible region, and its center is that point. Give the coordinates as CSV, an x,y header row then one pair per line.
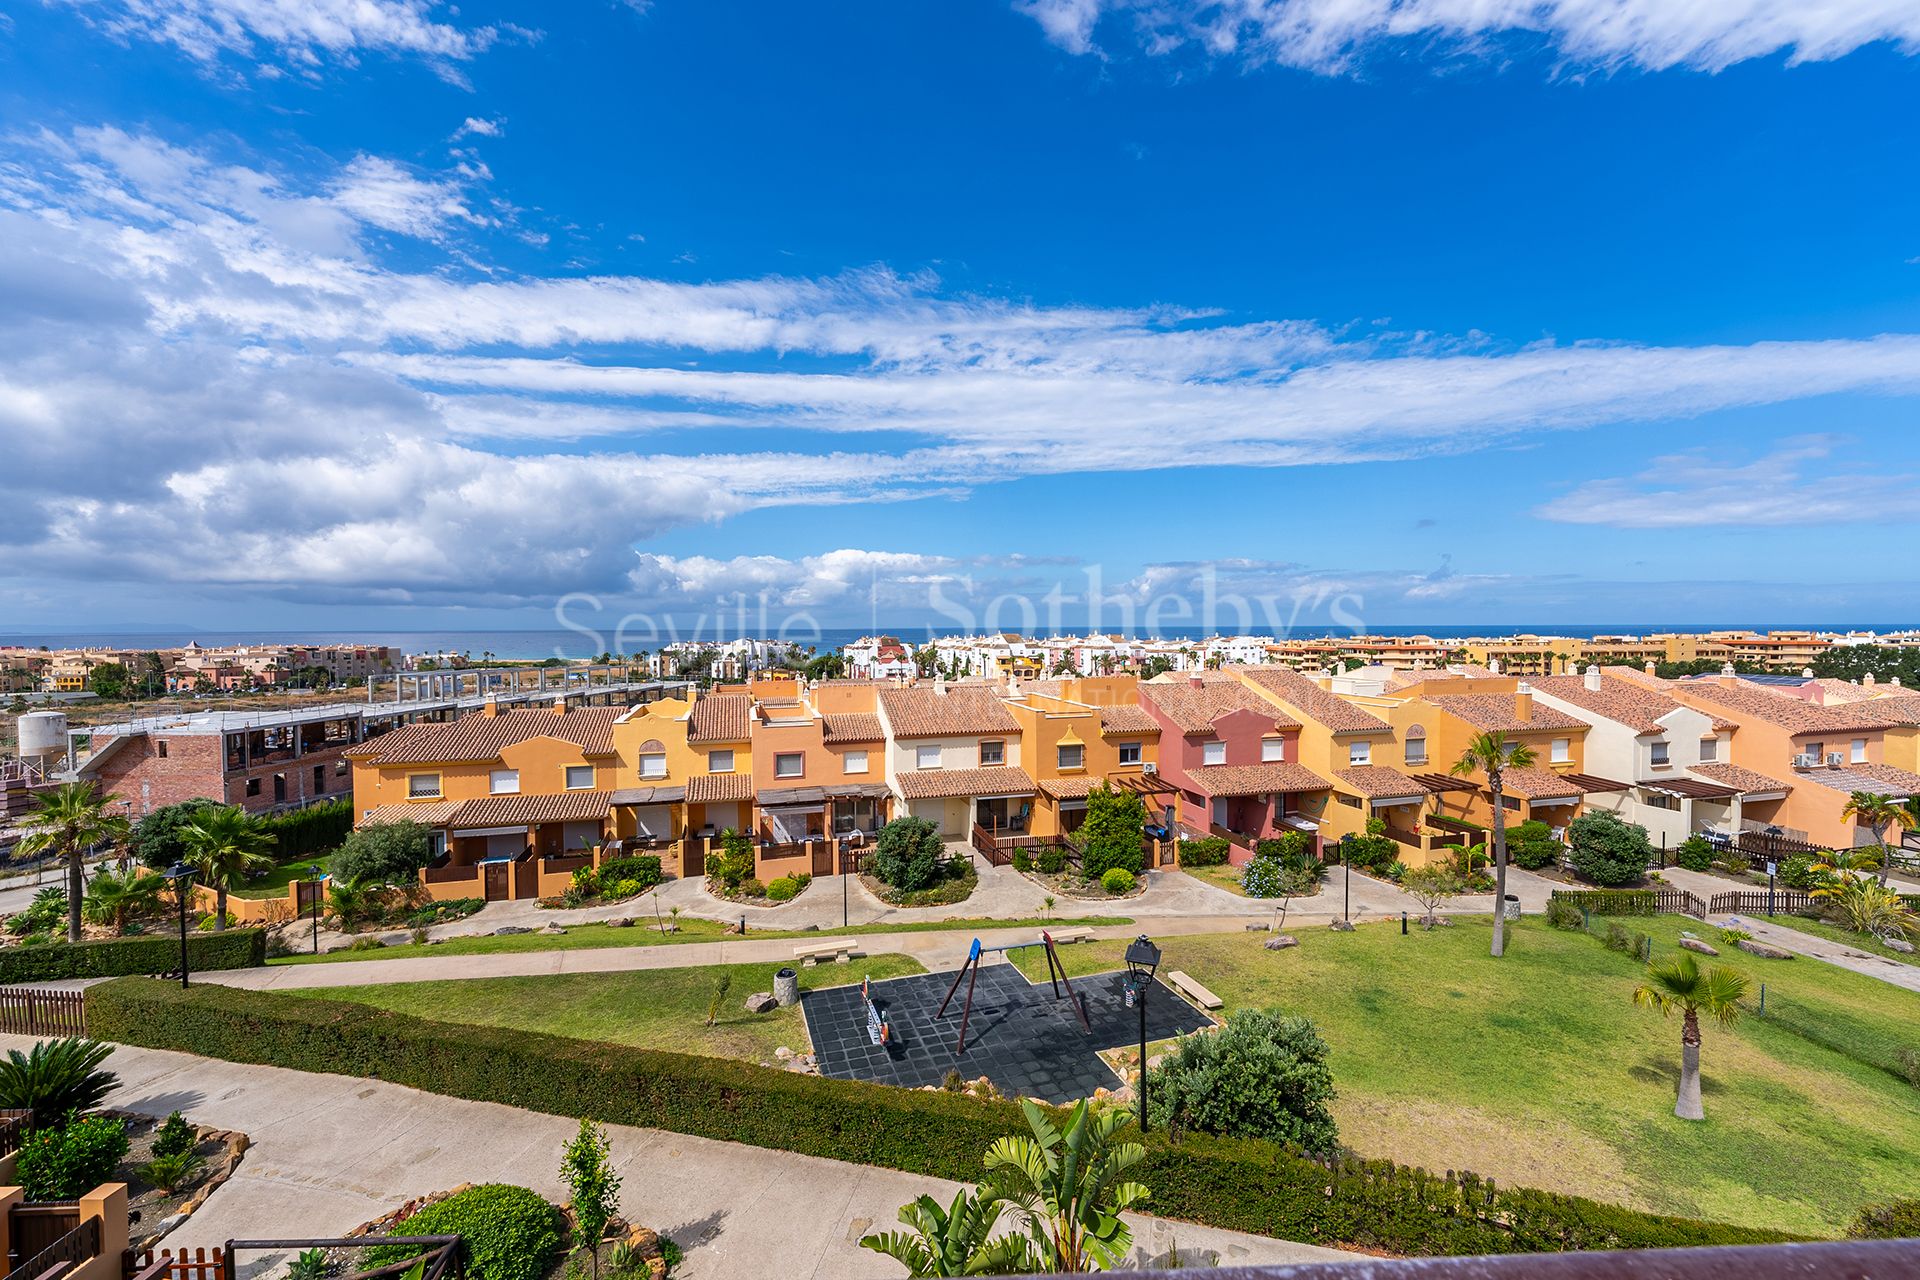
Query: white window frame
x,y
503,782
1359,753
926,757
417,791
1709,750
798,760
567,776
1273,750
1562,750
999,753
720,761
653,764
1213,752
1857,751
1132,753
1416,752
1062,760
854,762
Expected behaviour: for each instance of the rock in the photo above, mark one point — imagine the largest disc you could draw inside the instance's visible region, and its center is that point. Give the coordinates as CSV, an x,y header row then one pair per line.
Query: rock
x,y
1341,926
1899,944
509,930
1281,943
396,939
1762,950
762,1002
1258,926
812,928
1694,944
620,922
554,927
1436,922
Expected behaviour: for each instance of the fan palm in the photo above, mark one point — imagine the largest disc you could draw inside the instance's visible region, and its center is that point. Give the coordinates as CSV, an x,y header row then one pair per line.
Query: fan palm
x,y
55,1077
72,820
1678,985
113,896
1877,813
1066,1183
1492,754
953,1241
223,844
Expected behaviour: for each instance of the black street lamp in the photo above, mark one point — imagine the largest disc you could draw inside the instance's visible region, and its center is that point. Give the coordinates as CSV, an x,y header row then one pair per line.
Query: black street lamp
x,y
1346,861
316,877
182,877
1142,959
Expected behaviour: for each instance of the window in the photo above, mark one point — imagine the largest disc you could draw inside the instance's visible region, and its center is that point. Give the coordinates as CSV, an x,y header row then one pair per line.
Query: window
x,y
926,757
579,777
279,788
1818,750
1660,800
1129,753
419,786
1709,748
319,779
719,762
1072,755
992,753
1214,753
1562,750
504,782
1273,749
160,748
1510,803
1352,802
1659,750
854,762
1359,753
1416,751
653,765
789,764
1858,753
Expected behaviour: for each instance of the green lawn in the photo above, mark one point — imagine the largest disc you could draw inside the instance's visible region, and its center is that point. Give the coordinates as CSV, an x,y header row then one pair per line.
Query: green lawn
x,y
1537,1070
1225,876
644,933
650,1008
1834,933
274,883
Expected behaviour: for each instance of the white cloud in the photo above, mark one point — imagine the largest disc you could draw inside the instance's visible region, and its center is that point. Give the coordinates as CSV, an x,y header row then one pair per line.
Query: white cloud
x,y
1332,36
383,194
1695,490
475,126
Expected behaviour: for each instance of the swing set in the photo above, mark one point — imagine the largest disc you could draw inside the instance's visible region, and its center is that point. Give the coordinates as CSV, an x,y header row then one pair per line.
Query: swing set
x,y
970,970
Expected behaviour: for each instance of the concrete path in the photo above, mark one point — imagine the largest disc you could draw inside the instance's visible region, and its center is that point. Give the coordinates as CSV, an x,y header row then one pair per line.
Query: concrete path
x,y
331,1152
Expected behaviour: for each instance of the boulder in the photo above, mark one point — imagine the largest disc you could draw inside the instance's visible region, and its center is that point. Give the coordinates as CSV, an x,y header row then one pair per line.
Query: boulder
x,y
620,922
1281,943
554,927
1436,922
1762,950
783,1053
1341,926
1258,926
509,930
1694,944
1899,944
762,1002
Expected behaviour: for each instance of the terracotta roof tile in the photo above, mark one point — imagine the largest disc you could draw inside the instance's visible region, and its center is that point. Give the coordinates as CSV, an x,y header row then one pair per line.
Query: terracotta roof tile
x,y
1310,700
479,738
430,814
1879,779
934,784
1745,779
1538,784
1127,718
1069,788
1378,782
1496,713
719,788
1796,715
921,712
1194,710
1901,709
514,811
1635,705
1231,780
721,717
853,726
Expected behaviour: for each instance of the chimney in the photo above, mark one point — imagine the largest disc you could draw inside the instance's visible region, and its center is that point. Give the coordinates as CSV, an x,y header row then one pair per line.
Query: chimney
x,y
1894,681
559,706
1806,673
1868,680
1592,680
1726,669
491,707
1493,665
939,681
1194,680
1523,701
1651,668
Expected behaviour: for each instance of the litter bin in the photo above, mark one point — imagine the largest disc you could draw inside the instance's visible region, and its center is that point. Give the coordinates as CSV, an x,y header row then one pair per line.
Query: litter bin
x,y
1513,906
786,988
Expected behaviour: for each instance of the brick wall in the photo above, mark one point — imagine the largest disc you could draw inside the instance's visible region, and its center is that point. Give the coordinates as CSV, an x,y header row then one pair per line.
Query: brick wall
x,y
194,767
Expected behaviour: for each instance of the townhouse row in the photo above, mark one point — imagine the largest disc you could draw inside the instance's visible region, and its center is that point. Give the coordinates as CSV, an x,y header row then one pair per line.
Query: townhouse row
x,y
517,799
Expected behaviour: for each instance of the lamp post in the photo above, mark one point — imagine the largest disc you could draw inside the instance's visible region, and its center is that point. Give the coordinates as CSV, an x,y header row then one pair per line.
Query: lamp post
x,y
1142,959
182,877
1346,862
316,878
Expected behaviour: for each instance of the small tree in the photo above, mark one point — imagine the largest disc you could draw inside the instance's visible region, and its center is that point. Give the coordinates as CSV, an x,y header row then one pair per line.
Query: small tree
x,y
733,863
225,844
1679,985
159,839
1262,1075
1607,849
1065,1182
586,1166
956,1240
1493,755
390,853
720,989
1430,886
1877,814
1112,832
906,854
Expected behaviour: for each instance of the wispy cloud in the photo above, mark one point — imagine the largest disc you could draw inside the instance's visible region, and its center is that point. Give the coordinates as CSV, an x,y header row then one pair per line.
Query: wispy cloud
x,y
1332,37
1696,490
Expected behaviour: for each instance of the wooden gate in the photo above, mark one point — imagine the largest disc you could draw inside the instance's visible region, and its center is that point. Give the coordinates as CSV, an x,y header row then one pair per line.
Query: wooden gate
x,y
496,876
34,1227
25,1011
823,857
146,1264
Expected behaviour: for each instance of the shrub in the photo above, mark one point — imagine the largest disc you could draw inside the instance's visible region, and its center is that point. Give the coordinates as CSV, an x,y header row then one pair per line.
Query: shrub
x,y
1293,848
782,889
170,1173
732,862
620,889
1732,936
56,1078
643,869
1563,913
751,888
506,1232
1895,1220
1797,872
1617,938
1233,1184
391,853
1208,851
1022,861
309,1264
906,854
1053,860
158,839
1262,1075
1372,851
1112,833
304,833
47,912
585,881
67,1161
1608,850
1117,880
174,1136
1694,853
1264,878
1531,845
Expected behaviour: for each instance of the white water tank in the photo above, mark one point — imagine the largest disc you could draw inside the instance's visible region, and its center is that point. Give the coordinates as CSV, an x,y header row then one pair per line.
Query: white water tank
x,y
43,736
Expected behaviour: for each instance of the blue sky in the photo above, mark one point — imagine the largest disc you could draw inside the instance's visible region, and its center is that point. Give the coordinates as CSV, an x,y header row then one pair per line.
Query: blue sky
x,y
393,314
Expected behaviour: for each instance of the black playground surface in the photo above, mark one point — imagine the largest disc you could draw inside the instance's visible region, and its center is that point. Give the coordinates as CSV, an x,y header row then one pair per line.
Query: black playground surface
x,y
1019,1036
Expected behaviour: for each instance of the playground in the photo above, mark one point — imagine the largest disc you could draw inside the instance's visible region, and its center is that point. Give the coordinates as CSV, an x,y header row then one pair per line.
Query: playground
x,y
1031,1039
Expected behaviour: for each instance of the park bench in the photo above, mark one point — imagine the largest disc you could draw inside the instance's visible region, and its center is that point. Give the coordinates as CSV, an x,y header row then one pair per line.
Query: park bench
x,y
1187,987
832,948
1074,935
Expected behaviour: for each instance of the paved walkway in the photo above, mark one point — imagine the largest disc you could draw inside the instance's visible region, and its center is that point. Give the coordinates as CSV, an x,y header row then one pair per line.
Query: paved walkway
x,y
1839,954
330,1152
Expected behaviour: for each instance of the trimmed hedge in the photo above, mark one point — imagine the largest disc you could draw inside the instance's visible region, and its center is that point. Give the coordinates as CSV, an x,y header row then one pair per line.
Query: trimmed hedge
x,y
121,957
1242,1185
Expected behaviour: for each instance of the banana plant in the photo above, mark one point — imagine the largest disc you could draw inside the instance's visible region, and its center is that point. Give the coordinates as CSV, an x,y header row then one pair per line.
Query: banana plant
x,y
956,1240
1067,1184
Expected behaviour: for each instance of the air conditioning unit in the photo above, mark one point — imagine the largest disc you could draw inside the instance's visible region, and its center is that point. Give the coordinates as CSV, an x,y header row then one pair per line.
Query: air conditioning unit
x,y
1805,761
1149,767
1834,760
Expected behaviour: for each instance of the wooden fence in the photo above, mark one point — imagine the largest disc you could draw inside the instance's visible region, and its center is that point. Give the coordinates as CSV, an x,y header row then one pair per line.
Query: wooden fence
x,y
25,1011
13,1127
147,1264
78,1244
1634,902
1757,901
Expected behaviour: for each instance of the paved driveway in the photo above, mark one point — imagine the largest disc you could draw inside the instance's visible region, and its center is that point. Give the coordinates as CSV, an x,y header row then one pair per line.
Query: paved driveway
x,y
330,1152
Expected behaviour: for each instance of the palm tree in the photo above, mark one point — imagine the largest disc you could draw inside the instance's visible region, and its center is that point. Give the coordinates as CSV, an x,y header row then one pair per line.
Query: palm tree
x,y
1679,984
1859,904
1876,813
953,1241
222,844
1065,1183
1493,755
71,821
113,896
